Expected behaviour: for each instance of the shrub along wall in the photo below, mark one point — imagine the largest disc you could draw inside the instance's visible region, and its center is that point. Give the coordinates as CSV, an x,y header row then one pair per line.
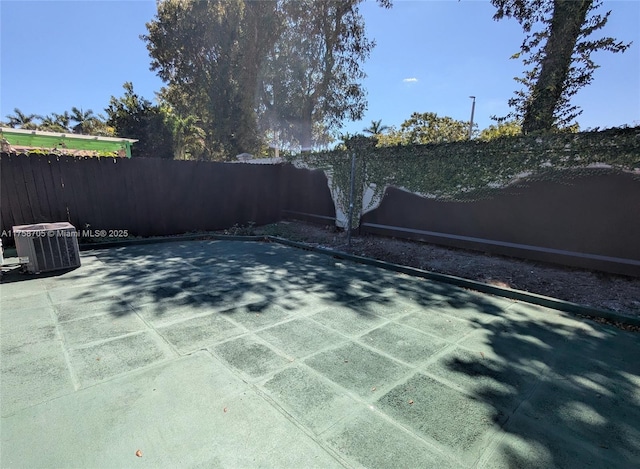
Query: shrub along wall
x,y
471,170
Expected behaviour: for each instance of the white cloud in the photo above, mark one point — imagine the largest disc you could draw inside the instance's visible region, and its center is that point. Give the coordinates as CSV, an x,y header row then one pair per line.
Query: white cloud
x,y
410,80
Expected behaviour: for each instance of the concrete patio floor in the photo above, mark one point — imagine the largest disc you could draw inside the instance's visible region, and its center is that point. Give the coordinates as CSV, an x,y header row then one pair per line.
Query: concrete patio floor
x,y
221,354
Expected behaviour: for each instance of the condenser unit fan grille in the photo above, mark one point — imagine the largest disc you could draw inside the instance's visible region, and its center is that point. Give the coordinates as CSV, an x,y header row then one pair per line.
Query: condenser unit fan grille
x,y
47,246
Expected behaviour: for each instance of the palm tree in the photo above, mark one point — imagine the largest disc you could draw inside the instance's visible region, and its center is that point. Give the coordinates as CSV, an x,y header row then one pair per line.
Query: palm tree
x,y
84,120
188,136
50,123
63,120
376,128
21,120
344,138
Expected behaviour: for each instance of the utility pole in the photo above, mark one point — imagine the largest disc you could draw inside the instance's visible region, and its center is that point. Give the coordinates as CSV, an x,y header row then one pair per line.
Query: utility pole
x,y
473,109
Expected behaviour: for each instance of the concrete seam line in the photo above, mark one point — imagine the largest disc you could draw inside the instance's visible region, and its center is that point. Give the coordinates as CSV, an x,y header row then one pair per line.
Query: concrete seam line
x,y
533,298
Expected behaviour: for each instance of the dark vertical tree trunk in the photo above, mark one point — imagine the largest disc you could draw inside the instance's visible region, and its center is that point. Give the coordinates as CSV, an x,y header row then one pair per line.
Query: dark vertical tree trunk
x,y
566,24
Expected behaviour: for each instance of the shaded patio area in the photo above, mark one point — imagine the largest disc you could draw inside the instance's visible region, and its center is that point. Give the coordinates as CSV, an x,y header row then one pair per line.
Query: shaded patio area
x,y
228,354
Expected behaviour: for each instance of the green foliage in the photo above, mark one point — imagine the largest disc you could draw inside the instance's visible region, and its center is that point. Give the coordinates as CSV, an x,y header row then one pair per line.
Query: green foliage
x,y
209,54
189,139
556,52
48,126
39,151
500,130
286,70
392,137
21,120
54,123
422,128
132,116
86,122
62,151
313,73
471,170
429,128
376,128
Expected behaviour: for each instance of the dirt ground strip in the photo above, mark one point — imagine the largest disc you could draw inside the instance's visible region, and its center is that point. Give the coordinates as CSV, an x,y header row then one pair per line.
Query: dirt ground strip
x,y
610,292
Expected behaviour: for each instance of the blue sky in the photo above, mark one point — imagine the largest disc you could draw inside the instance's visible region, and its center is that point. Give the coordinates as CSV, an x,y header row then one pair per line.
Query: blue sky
x,y
430,57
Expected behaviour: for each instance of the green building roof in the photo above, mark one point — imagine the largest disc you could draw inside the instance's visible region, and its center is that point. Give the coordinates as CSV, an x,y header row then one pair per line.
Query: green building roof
x,y
53,141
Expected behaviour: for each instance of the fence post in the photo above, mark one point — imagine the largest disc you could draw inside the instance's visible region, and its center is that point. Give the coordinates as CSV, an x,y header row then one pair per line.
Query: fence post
x,y
351,191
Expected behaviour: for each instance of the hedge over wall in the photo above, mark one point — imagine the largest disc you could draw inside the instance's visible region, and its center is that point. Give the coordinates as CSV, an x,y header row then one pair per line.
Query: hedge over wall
x,y
472,170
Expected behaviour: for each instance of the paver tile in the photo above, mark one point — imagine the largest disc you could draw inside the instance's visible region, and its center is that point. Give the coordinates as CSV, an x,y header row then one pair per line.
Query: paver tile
x,y
358,369
439,325
37,374
22,342
301,337
199,332
71,310
529,445
101,327
16,289
191,412
104,360
250,357
13,304
373,442
347,320
164,312
30,318
386,306
596,414
496,382
238,354
311,400
256,315
442,414
403,343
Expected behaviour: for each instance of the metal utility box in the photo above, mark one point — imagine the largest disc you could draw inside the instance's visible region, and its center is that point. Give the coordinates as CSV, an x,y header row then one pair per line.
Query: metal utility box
x,y
48,246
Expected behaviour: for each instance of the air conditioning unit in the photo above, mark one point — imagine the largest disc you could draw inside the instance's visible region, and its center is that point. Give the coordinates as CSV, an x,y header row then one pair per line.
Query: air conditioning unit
x,y
47,246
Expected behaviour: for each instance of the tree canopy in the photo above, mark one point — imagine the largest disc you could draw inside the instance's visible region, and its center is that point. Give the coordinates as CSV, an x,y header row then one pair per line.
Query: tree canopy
x,y
21,120
557,53
501,129
425,127
313,73
244,68
85,122
209,54
132,116
376,128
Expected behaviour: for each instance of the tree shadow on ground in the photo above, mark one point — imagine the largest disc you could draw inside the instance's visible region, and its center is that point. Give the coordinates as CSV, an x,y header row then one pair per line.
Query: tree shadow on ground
x,y
219,275
567,393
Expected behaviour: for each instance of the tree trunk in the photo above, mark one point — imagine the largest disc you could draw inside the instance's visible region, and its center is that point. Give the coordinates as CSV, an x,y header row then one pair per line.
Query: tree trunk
x,y
566,24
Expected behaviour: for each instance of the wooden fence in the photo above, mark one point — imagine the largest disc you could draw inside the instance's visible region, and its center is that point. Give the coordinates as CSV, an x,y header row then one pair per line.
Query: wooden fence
x,y
590,221
583,220
153,197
